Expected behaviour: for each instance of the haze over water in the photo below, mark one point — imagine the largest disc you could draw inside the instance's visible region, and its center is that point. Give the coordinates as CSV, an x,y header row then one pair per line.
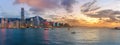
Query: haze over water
x,y
60,36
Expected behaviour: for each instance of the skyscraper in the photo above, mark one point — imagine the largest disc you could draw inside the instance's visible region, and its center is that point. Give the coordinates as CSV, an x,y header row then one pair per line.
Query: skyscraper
x,y
22,17
3,23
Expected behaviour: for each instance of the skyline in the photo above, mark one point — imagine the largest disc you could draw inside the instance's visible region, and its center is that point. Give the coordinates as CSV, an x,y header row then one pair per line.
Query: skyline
x,y
75,11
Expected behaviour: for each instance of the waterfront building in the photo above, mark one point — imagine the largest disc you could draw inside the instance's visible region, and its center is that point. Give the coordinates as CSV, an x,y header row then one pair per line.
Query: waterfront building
x,y
36,21
58,24
11,24
17,24
54,24
2,23
6,23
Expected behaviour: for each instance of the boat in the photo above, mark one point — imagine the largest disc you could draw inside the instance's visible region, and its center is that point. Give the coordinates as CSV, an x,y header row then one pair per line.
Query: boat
x,y
73,32
46,28
117,28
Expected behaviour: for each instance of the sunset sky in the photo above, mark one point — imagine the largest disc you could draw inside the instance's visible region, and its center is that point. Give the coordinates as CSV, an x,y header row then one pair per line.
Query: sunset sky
x,y
95,13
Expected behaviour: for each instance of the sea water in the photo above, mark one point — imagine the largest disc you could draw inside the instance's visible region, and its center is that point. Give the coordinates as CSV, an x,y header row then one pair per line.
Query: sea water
x,y
60,36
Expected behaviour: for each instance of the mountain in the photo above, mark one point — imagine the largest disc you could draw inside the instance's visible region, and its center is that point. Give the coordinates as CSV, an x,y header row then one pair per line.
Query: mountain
x,y
34,18
27,19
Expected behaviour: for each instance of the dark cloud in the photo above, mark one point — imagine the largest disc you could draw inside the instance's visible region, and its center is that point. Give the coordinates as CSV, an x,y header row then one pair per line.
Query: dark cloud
x,y
90,9
89,6
68,4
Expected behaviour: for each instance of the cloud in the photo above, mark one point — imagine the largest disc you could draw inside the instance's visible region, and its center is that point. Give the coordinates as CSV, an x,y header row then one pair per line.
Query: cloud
x,y
68,4
91,10
89,6
42,5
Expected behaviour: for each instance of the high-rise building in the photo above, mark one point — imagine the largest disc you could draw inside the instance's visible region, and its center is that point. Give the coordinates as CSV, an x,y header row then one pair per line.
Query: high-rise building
x,y
31,22
11,24
22,17
2,23
17,24
6,23
36,21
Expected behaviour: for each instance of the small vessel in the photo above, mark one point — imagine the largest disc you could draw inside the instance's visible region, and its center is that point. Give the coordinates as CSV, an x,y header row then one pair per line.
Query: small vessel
x,y
73,32
46,28
117,28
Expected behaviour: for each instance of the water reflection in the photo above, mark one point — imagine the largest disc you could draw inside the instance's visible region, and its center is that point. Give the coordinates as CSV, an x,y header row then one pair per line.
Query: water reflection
x,y
59,36
46,34
87,36
3,34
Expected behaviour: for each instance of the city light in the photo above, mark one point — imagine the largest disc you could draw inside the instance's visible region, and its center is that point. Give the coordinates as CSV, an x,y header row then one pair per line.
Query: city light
x,y
32,22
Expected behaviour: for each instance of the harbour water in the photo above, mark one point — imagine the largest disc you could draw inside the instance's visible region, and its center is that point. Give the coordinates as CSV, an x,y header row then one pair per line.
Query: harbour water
x,y
60,36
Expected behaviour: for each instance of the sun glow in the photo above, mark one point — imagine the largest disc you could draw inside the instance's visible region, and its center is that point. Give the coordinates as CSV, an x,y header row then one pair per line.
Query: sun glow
x,y
92,20
88,19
